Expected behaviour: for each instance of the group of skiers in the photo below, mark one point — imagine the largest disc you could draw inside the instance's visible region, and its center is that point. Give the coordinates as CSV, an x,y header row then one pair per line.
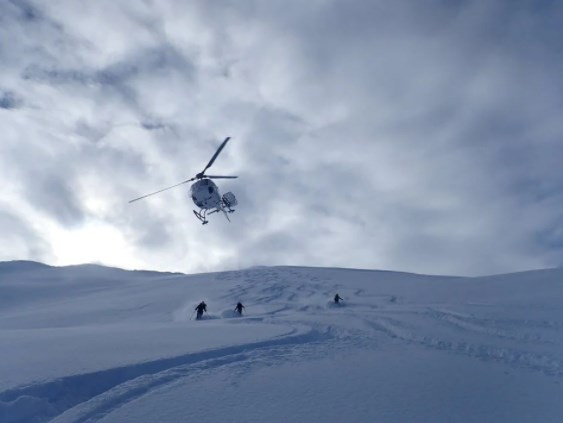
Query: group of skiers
x,y
202,307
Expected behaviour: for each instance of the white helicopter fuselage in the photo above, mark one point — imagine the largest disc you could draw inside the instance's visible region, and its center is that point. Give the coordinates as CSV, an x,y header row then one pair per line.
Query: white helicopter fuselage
x,y
205,194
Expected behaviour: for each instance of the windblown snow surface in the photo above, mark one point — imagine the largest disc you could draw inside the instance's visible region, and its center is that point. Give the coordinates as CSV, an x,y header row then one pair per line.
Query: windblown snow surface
x,y
90,343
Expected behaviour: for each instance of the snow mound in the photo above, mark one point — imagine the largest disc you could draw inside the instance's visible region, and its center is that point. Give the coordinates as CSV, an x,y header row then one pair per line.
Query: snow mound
x,y
88,343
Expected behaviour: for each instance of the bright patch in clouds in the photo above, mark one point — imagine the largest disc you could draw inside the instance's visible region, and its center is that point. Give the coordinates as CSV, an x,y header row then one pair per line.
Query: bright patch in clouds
x,y
92,243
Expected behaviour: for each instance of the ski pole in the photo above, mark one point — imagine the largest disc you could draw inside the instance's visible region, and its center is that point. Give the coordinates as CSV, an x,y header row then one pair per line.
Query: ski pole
x,y
191,317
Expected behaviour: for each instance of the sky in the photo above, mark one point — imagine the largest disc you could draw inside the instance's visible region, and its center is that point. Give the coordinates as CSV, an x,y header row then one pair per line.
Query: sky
x,y
422,136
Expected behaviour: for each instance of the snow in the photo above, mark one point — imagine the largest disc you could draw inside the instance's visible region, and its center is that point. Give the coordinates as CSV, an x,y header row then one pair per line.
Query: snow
x,y
91,343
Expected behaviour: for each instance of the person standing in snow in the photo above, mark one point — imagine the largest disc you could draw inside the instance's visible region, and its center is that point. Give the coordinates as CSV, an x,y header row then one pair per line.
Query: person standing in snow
x,y
239,308
201,307
338,298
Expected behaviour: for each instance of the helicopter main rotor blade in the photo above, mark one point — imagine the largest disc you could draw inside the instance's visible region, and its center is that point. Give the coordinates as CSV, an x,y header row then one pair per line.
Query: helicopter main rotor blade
x,y
220,177
216,154
159,191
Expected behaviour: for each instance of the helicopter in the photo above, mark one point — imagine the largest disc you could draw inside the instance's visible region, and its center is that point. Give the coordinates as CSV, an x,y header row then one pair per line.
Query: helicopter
x,y
205,193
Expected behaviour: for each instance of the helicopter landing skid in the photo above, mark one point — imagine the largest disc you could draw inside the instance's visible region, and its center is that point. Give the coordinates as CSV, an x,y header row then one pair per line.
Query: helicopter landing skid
x,y
201,217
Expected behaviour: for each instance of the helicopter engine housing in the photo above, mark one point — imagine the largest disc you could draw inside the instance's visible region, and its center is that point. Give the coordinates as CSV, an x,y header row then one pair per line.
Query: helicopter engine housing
x,y
229,199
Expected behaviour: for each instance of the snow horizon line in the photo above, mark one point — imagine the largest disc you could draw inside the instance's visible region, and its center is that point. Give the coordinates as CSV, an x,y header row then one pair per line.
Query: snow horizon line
x,y
25,262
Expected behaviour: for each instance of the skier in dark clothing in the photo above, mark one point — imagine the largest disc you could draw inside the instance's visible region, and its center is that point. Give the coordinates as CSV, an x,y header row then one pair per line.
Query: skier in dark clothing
x,y
239,308
201,307
338,298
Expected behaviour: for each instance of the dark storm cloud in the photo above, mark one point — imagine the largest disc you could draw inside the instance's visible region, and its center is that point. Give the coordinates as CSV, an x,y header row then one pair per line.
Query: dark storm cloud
x,y
117,78
23,10
420,136
152,125
8,100
458,107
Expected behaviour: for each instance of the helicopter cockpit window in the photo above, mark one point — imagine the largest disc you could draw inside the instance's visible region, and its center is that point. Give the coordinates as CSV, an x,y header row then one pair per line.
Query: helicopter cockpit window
x,y
210,190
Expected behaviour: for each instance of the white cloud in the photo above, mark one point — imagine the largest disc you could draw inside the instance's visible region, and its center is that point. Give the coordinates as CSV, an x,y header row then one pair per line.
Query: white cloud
x,y
420,136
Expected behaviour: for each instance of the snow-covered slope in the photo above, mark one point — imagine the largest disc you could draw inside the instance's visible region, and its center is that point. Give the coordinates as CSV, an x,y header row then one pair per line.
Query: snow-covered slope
x,y
89,343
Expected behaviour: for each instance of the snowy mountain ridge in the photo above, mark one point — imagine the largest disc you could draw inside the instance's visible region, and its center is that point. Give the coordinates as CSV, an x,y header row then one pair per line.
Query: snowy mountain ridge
x,y
92,343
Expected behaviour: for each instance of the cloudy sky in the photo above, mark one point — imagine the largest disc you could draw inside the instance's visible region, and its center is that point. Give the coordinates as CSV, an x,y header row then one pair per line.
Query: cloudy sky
x,y
422,135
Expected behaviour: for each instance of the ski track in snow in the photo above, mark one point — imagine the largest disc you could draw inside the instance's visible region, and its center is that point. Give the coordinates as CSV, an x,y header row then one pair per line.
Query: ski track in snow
x,y
299,299
167,371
